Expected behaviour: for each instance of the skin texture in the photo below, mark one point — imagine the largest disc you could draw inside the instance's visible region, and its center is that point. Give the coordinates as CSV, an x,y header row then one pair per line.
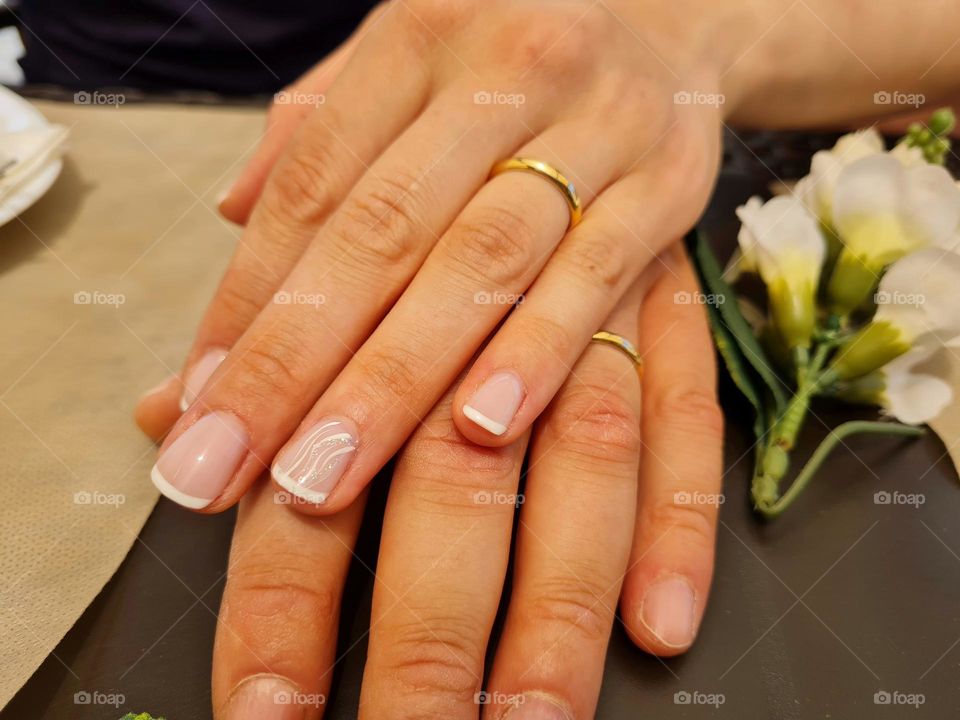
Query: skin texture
x,y
391,204
433,610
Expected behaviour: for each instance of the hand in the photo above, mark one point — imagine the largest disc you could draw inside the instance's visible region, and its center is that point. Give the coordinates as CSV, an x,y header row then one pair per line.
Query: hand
x,y
444,551
380,218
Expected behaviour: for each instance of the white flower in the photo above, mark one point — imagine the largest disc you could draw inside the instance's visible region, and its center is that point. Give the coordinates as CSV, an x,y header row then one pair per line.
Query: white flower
x,y
883,211
917,306
911,396
816,189
903,390
782,240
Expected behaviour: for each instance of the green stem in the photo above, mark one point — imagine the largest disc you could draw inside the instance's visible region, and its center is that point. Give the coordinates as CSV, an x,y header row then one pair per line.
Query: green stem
x,y
838,434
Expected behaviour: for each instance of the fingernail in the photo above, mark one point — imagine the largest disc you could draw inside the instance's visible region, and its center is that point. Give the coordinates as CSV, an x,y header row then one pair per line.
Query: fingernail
x,y
537,707
262,697
668,611
196,468
159,387
198,375
314,464
494,404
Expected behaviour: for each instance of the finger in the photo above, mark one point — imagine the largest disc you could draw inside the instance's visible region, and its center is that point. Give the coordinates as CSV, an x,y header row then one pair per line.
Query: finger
x,y
277,626
497,245
582,476
443,556
673,549
591,269
362,260
157,409
286,114
331,149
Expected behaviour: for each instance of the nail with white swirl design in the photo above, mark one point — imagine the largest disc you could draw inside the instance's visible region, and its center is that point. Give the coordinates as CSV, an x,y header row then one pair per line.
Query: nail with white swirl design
x,y
312,466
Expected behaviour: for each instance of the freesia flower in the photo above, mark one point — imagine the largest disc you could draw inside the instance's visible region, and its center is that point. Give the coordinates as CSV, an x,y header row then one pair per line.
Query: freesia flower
x,y
781,239
916,307
816,189
904,392
882,211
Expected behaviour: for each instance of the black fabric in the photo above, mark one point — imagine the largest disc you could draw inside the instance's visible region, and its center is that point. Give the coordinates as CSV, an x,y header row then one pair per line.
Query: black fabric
x,y
231,47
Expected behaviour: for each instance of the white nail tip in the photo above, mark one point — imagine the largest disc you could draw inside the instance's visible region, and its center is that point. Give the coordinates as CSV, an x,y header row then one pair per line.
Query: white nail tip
x,y
183,403
483,421
291,486
178,496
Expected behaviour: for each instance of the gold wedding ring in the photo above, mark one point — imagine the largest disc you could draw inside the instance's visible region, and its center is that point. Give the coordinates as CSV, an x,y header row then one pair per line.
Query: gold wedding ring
x,y
550,173
622,344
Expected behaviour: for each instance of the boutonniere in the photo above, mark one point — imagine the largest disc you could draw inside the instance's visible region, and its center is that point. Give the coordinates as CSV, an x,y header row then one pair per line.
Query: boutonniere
x,y
861,268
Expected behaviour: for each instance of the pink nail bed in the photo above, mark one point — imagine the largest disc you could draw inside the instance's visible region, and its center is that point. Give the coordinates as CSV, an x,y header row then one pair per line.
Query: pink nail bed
x,y
198,375
311,467
197,466
495,402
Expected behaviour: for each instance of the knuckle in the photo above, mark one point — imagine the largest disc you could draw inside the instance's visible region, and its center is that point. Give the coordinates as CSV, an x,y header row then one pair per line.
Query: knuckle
x,y
447,471
269,365
381,224
696,521
391,373
241,296
300,191
602,258
270,580
690,409
560,41
540,331
435,657
596,423
579,604
497,244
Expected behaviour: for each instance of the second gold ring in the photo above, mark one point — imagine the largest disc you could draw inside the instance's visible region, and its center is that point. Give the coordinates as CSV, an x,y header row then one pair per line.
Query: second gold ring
x,y
549,172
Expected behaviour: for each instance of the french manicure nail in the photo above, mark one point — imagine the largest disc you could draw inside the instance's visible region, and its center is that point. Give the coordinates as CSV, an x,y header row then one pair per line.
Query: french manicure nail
x,y
198,375
495,402
536,707
196,468
312,466
668,611
264,696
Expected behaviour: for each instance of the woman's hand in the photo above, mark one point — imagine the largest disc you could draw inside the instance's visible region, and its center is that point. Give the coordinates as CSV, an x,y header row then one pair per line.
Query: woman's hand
x,y
379,257
447,538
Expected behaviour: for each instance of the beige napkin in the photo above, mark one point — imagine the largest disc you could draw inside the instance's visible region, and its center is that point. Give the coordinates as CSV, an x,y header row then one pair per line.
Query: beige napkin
x,y
102,283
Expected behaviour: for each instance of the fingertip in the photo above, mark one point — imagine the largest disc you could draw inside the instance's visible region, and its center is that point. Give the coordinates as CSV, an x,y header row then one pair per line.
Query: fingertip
x,y
662,613
157,409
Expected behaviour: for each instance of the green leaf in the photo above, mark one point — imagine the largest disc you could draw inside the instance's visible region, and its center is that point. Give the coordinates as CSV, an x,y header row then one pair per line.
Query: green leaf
x,y
737,368
728,315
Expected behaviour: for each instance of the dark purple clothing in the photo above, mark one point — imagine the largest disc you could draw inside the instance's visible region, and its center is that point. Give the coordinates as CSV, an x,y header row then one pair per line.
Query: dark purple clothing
x,y
233,47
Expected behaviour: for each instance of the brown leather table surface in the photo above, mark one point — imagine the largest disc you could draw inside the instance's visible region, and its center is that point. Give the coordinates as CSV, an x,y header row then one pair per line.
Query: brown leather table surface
x,y
810,616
